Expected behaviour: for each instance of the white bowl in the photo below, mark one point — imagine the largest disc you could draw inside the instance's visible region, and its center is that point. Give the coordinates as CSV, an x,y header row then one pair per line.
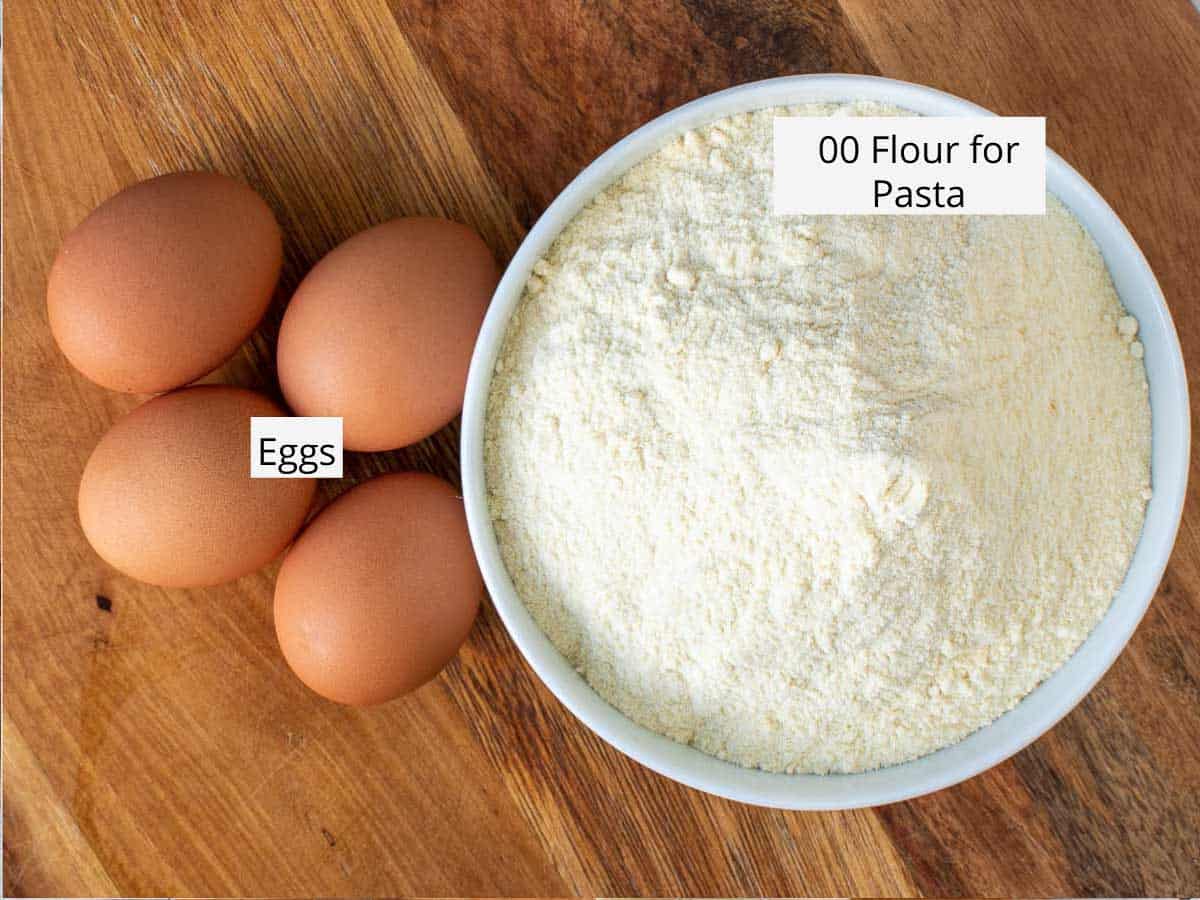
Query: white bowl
x,y
1051,700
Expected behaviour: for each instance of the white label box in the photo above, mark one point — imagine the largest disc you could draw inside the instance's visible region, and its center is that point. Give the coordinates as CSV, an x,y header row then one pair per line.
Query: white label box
x,y
296,447
910,165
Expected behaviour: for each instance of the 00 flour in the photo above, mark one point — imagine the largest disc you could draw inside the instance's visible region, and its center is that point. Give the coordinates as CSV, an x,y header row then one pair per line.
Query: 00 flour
x,y
814,493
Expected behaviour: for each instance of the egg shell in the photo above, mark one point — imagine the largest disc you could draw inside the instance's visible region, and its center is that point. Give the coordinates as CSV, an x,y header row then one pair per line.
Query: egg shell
x,y
164,281
381,331
167,497
379,592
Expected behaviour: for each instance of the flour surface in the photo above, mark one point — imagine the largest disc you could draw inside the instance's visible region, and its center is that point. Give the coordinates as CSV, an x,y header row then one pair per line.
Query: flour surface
x,y
814,494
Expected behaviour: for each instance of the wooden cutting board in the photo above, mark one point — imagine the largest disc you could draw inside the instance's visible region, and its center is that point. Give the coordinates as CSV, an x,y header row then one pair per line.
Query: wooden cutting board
x,y
154,741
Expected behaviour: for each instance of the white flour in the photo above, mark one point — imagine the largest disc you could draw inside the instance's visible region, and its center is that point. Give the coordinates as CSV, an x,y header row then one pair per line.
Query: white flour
x,y
814,494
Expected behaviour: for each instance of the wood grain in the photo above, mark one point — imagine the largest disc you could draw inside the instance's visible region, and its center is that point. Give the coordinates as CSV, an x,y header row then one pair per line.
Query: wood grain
x,y
161,746
542,102
42,841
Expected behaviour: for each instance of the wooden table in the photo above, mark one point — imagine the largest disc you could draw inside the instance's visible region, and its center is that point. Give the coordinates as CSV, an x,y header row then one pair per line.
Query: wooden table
x,y
155,742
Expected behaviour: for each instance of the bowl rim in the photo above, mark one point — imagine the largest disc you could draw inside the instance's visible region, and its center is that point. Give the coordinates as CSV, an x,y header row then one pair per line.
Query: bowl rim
x,y
1034,714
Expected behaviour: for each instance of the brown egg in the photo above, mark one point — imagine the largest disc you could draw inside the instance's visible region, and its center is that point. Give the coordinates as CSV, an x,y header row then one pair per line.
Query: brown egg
x,y
164,281
381,331
167,495
380,590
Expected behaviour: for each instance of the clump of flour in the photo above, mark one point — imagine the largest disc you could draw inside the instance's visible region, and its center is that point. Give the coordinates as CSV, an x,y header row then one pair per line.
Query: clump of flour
x,y
814,493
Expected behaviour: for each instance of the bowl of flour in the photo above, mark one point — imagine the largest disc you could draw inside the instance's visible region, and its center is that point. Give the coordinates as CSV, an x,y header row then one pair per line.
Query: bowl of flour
x,y
818,511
